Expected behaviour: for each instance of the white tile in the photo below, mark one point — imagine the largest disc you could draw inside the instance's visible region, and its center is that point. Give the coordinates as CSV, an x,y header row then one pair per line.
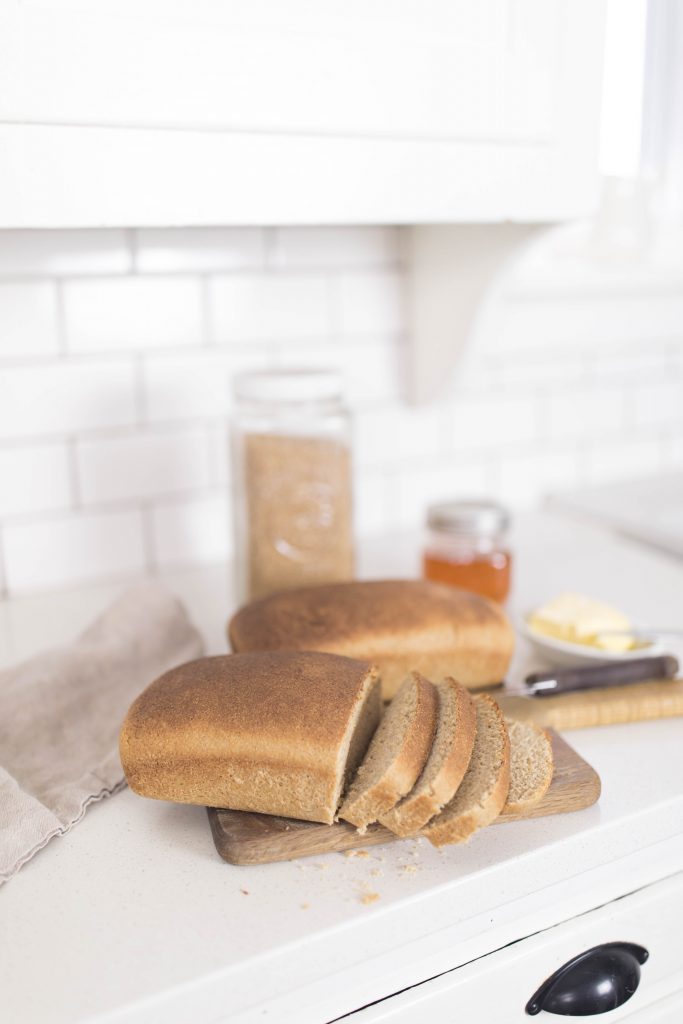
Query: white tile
x,y
193,531
370,302
526,479
372,511
624,460
34,478
53,553
142,465
269,307
132,313
220,455
390,436
372,371
647,362
62,397
314,247
659,403
588,412
68,251
556,323
199,249
418,487
536,369
194,386
474,422
673,453
28,319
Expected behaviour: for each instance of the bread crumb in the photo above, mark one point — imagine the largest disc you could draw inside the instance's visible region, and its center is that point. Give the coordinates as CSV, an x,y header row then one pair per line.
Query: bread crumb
x,y
305,906
377,873
323,867
369,897
356,853
409,869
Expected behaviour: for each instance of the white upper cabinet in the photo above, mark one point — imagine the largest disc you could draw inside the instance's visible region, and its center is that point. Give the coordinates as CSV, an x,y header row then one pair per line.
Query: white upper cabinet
x,y
297,111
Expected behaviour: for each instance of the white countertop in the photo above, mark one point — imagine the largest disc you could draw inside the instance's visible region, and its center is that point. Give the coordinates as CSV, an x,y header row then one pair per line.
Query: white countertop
x,y
133,917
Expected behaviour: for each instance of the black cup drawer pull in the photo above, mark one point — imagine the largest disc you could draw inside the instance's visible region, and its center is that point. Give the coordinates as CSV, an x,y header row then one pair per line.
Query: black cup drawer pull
x,y
596,981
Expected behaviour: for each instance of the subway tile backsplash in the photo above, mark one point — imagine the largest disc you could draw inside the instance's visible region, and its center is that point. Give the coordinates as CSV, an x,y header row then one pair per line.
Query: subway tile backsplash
x,y
117,348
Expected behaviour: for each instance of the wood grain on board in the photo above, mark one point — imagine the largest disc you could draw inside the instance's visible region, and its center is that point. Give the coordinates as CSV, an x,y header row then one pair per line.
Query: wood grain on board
x,y
658,698
245,838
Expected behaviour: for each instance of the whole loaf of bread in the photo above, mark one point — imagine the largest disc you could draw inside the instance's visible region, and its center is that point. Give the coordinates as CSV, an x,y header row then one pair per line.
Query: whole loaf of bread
x,y
277,733
399,625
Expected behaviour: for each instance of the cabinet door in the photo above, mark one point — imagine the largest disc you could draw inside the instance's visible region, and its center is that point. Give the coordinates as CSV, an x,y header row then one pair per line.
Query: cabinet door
x,y
257,111
497,987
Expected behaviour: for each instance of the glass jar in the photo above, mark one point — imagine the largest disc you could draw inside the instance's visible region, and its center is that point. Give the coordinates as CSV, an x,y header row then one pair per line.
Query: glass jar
x,y
292,481
466,547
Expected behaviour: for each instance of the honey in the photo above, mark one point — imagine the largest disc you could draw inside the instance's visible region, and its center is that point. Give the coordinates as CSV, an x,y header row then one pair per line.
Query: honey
x,y
466,548
488,575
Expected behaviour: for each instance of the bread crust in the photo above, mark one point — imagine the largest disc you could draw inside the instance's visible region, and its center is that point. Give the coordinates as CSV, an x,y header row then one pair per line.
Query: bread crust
x,y
543,758
400,625
265,732
362,809
414,811
444,829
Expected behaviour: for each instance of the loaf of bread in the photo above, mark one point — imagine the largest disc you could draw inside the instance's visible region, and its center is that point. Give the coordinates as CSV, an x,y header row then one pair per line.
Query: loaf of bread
x,y
399,625
278,733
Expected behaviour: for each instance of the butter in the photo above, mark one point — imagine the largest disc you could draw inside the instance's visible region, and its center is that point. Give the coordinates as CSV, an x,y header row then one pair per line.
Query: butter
x,y
581,620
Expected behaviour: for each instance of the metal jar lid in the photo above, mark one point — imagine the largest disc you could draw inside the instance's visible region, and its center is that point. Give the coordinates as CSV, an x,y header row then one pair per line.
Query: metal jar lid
x,y
469,518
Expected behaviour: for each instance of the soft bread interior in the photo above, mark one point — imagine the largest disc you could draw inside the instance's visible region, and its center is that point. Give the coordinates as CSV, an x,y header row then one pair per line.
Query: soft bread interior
x,y
387,741
531,765
362,726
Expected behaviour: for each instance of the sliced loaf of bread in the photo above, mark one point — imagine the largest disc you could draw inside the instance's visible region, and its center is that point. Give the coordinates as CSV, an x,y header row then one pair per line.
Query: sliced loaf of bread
x,y
531,766
483,791
446,765
397,753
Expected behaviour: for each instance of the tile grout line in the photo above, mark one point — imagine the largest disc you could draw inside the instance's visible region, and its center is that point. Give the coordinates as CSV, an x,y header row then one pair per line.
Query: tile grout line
x,y
4,582
74,475
60,320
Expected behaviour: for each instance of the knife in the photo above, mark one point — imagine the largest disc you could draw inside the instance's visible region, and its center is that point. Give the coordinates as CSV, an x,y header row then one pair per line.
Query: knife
x,y
613,673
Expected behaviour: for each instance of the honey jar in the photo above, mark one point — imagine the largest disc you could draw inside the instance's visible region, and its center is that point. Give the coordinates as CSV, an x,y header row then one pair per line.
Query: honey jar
x,y
466,547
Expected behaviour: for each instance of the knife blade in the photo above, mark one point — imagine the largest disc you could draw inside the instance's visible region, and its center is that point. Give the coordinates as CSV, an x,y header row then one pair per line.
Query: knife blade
x,y
589,677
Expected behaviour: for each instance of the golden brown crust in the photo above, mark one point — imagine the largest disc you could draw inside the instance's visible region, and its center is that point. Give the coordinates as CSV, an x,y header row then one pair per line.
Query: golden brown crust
x,y
399,625
262,732
361,810
446,829
409,816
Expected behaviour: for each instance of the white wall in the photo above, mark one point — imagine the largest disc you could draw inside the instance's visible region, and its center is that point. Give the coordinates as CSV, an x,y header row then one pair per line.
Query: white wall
x,y
116,349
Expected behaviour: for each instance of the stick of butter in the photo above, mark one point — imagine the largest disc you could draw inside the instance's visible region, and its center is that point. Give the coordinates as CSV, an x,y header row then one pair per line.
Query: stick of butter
x,y
581,620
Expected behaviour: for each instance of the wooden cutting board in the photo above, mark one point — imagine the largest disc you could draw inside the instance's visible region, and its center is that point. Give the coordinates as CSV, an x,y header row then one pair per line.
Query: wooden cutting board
x,y
245,838
605,706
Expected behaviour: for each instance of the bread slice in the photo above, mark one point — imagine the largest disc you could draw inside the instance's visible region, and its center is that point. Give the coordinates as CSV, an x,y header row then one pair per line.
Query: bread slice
x,y
398,625
278,733
531,766
446,765
484,789
396,755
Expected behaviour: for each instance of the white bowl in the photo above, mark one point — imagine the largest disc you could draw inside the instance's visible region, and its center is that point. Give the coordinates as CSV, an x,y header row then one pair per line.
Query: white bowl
x,y
562,652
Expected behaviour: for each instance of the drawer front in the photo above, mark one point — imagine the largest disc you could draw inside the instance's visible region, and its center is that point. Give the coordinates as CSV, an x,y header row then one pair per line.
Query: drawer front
x,y
497,987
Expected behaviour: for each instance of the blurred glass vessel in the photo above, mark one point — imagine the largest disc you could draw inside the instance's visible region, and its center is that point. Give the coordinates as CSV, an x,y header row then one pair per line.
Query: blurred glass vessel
x,y
466,547
291,443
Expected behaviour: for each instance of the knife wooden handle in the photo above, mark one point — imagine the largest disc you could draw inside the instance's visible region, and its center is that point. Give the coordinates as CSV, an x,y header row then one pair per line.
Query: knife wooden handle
x,y
613,673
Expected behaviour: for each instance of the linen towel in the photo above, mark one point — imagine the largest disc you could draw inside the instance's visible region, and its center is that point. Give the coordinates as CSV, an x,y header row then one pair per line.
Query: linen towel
x,y
61,712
